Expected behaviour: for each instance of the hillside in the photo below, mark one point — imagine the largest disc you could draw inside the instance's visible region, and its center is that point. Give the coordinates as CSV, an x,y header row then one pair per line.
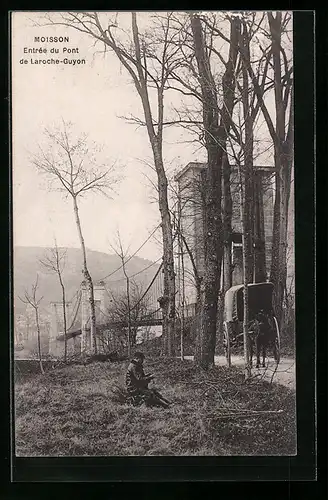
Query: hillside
x,y
27,265
71,411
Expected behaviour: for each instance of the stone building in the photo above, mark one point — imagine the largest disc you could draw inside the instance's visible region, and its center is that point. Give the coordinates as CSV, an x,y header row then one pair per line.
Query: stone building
x,y
191,185
100,307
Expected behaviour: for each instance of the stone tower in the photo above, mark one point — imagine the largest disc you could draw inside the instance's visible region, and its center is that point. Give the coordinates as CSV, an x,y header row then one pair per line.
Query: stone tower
x,y
56,346
100,305
191,185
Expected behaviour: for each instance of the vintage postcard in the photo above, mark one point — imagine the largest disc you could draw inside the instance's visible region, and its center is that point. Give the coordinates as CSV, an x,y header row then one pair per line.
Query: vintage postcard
x,y
153,234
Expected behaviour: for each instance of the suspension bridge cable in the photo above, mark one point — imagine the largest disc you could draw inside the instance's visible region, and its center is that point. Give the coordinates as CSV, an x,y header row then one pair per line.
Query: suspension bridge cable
x,y
111,296
75,294
78,302
133,255
76,309
66,301
139,272
152,313
152,281
145,268
148,288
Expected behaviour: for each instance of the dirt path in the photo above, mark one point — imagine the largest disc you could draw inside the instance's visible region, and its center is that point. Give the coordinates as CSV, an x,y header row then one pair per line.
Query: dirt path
x,y
285,374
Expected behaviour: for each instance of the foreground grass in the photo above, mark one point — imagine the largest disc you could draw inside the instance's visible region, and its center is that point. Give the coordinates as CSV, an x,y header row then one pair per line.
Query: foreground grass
x,y
71,411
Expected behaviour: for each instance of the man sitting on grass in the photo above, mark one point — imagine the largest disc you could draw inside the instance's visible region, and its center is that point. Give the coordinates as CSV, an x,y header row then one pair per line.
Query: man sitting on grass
x,y
137,384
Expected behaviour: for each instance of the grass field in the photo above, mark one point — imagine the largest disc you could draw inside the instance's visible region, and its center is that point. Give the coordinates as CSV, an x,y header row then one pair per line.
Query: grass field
x,y
70,411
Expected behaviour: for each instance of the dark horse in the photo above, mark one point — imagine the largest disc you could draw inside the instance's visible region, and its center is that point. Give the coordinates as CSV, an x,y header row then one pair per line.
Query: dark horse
x,y
261,335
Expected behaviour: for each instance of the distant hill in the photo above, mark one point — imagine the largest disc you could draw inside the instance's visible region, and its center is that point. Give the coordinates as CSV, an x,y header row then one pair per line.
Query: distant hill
x,y
27,265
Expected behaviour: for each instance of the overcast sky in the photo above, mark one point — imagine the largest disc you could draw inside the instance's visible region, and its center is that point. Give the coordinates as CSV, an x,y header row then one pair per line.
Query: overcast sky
x,y
92,96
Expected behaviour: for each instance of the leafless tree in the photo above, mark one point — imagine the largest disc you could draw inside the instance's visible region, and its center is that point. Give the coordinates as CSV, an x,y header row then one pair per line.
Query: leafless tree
x,y
216,123
149,60
281,134
73,168
211,120
182,53
31,298
122,254
187,251
246,191
125,311
54,262
255,80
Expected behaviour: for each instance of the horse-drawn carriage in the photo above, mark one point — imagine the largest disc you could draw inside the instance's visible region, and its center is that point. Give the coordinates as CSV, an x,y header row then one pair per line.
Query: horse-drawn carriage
x,y
263,326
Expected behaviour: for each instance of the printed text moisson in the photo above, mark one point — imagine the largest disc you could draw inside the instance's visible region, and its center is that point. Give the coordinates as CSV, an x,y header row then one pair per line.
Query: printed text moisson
x,y
51,39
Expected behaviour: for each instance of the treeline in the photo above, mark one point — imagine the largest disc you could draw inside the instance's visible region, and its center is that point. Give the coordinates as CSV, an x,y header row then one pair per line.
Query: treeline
x,y
234,75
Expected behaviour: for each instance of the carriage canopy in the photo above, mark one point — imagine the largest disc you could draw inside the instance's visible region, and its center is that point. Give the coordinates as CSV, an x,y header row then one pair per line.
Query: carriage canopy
x,y
260,296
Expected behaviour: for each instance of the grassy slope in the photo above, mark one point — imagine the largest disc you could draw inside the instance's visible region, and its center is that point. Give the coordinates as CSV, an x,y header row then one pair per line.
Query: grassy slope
x,y
70,411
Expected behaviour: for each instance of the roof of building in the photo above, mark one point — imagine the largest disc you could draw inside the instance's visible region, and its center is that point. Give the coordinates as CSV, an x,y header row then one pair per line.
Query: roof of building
x,y
202,166
193,164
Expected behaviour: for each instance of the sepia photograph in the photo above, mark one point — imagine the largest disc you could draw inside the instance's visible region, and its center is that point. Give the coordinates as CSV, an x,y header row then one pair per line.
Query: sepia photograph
x,y
153,233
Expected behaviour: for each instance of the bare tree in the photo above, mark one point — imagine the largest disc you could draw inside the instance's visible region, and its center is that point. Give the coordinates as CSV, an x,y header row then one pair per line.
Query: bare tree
x,y
282,138
246,193
255,58
149,60
118,249
199,81
216,123
73,168
54,262
254,82
30,298
125,312
283,158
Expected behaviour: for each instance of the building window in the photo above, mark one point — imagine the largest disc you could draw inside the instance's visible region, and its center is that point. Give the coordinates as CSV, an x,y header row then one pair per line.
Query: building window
x,y
237,259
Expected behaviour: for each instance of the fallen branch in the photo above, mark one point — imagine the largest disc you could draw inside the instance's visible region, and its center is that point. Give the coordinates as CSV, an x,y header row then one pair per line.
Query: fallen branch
x,y
247,413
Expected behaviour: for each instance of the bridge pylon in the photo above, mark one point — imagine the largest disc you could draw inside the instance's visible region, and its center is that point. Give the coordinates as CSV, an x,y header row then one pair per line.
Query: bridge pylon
x,y
99,299
56,348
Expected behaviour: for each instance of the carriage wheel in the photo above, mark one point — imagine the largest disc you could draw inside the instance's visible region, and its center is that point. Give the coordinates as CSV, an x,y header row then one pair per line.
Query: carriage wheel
x,y
276,347
226,340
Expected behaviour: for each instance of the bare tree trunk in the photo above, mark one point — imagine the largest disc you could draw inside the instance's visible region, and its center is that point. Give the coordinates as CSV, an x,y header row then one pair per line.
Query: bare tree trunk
x,y
259,235
64,315
52,263
88,278
245,239
275,265
168,266
156,140
277,133
246,191
213,223
227,228
227,232
181,277
183,305
129,307
39,339
285,198
228,87
278,273
198,305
